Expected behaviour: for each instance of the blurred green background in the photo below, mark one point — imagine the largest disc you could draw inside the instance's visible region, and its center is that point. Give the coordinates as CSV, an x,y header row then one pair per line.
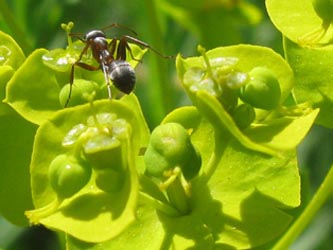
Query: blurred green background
x,y
171,27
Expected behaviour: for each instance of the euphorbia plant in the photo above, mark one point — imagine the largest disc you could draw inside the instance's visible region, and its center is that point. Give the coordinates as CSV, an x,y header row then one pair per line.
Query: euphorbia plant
x,y
220,174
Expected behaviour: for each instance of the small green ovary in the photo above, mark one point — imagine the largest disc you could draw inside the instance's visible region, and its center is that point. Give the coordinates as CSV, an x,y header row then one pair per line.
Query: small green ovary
x,y
324,9
262,89
243,115
68,175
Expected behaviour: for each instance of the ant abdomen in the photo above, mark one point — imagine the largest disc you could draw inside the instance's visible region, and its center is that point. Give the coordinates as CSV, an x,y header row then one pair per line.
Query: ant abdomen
x,y
122,75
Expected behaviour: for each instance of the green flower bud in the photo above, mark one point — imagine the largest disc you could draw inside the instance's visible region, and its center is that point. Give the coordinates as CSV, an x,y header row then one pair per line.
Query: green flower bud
x,y
67,175
324,9
170,146
262,90
244,115
81,89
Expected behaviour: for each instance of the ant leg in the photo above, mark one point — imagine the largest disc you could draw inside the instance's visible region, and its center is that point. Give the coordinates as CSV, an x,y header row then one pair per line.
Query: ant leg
x,y
112,46
143,44
87,66
105,72
107,80
121,50
71,79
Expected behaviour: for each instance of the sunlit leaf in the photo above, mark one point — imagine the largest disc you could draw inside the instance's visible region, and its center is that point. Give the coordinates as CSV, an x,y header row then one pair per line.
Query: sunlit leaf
x,y
297,20
313,78
17,136
33,90
10,53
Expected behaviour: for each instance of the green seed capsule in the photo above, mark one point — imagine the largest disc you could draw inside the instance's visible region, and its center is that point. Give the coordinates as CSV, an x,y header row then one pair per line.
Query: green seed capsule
x,y
67,175
170,146
80,90
262,90
324,9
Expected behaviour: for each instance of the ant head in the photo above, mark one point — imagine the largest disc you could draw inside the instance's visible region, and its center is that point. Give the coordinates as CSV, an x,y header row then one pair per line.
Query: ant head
x,y
94,34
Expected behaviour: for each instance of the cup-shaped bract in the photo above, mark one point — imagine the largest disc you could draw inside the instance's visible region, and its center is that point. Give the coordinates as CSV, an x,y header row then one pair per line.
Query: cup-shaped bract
x,y
105,136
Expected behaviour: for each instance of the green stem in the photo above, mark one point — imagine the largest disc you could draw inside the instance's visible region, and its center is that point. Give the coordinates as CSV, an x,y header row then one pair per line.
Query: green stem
x,y
202,51
68,28
159,88
18,33
177,196
322,194
215,158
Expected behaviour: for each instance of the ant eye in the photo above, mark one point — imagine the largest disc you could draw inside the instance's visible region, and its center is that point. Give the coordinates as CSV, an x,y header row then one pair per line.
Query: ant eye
x,y
122,76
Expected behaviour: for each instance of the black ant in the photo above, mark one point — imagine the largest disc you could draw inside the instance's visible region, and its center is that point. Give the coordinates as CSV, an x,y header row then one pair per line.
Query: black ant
x,y
111,57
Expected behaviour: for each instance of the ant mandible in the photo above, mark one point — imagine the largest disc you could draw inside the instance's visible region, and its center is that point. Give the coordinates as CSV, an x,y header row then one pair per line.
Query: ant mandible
x,y
111,57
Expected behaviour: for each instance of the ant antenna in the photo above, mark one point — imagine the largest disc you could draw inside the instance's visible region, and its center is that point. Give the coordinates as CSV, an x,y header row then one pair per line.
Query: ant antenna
x,y
117,25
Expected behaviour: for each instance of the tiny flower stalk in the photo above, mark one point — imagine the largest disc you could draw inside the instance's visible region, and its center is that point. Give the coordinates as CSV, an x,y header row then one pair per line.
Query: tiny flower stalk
x,y
177,190
67,28
202,51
